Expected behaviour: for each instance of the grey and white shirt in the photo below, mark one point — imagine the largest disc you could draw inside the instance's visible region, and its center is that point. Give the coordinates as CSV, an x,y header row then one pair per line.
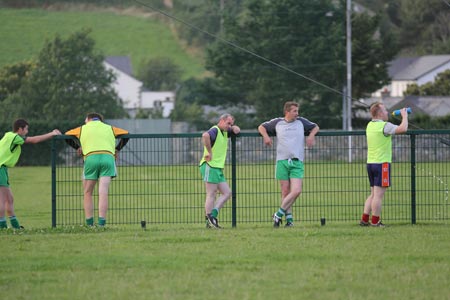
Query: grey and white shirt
x,y
290,136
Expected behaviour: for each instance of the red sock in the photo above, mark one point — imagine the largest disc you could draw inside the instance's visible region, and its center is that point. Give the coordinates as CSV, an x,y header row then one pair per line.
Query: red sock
x,y
365,218
375,219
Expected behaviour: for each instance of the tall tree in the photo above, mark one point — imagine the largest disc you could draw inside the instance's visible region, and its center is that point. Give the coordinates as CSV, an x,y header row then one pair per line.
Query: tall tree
x,y
304,36
205,14
424,26
12,77
371,50
68,81
160,74
308,37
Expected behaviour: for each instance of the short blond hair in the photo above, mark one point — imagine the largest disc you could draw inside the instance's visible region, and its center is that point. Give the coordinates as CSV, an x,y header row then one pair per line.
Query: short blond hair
x,y
375,109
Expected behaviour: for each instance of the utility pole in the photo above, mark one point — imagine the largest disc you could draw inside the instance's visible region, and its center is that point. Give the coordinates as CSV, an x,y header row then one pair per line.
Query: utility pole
x,y
349,77
349,65
222,10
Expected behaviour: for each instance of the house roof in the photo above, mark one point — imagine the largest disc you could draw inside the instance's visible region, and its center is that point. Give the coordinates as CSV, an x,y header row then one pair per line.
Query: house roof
x,y
435,106
121,63
363,105
387,101
412,68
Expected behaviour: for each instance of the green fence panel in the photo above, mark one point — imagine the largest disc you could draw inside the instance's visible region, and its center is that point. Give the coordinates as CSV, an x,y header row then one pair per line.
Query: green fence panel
x,y
159,181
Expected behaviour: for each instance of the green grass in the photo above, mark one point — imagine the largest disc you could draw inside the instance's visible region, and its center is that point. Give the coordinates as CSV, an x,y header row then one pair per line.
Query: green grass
x,y
31,187
336,261
24,32
252,262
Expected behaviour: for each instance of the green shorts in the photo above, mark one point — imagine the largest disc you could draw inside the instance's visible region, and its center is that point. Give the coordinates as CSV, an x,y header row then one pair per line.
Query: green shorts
x,y
212,175
99,165
289,168
4,178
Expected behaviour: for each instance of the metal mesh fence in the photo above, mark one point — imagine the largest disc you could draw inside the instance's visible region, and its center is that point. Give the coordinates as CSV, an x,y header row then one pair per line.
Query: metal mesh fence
x,y
159,181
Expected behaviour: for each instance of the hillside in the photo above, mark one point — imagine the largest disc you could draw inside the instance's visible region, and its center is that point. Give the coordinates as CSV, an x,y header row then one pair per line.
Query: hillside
x,y
140,36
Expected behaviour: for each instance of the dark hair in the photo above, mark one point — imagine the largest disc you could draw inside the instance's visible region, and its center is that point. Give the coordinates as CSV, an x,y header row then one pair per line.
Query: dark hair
x,y
95,116
19,123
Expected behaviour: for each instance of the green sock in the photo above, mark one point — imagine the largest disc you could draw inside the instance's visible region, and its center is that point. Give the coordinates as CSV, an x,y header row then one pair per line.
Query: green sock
x,y
289,218
14,222
215,212
3,224
281,212
90,221
101,221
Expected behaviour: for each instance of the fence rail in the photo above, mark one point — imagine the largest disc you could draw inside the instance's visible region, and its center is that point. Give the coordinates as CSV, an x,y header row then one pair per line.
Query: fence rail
x,y
159,181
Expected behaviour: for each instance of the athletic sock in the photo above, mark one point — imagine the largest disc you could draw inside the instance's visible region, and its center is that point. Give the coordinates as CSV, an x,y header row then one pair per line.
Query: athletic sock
x,y
289,218
375,219
14,222
280,213
3,224
101,221
90,221
365,218
215,212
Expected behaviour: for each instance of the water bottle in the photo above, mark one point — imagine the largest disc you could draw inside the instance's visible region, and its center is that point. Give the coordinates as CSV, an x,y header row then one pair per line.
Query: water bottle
x,y
397,112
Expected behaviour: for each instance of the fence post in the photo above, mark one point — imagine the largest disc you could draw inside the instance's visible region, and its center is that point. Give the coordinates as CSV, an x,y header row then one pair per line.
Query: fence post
x,y
53,162
413,179
233,181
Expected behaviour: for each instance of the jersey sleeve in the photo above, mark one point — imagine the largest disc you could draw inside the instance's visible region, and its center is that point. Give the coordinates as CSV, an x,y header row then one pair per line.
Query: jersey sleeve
x,y
213,131
389,129
74,133
307,124
19,140
270,126
117,133
231,133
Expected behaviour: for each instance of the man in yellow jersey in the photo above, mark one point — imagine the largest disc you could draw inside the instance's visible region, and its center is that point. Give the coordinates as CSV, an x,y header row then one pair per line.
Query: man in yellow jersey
x,y
215,145
99,149
10,149
379,134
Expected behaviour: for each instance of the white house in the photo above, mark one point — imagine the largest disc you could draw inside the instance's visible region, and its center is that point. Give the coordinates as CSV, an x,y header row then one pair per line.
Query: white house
x,y
132,92
158,100
408,70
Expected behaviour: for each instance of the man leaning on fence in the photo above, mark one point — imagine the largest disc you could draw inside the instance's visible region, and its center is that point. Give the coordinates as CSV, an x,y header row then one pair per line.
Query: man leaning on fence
x,y
379,134
215,145
290,131
97,144
10,150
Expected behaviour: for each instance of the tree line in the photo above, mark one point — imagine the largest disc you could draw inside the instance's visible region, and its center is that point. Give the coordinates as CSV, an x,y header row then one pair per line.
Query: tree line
x,y
308,37
305,37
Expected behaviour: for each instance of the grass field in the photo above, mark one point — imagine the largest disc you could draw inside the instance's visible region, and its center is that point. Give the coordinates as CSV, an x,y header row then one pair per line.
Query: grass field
x,y
336,261
24,32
